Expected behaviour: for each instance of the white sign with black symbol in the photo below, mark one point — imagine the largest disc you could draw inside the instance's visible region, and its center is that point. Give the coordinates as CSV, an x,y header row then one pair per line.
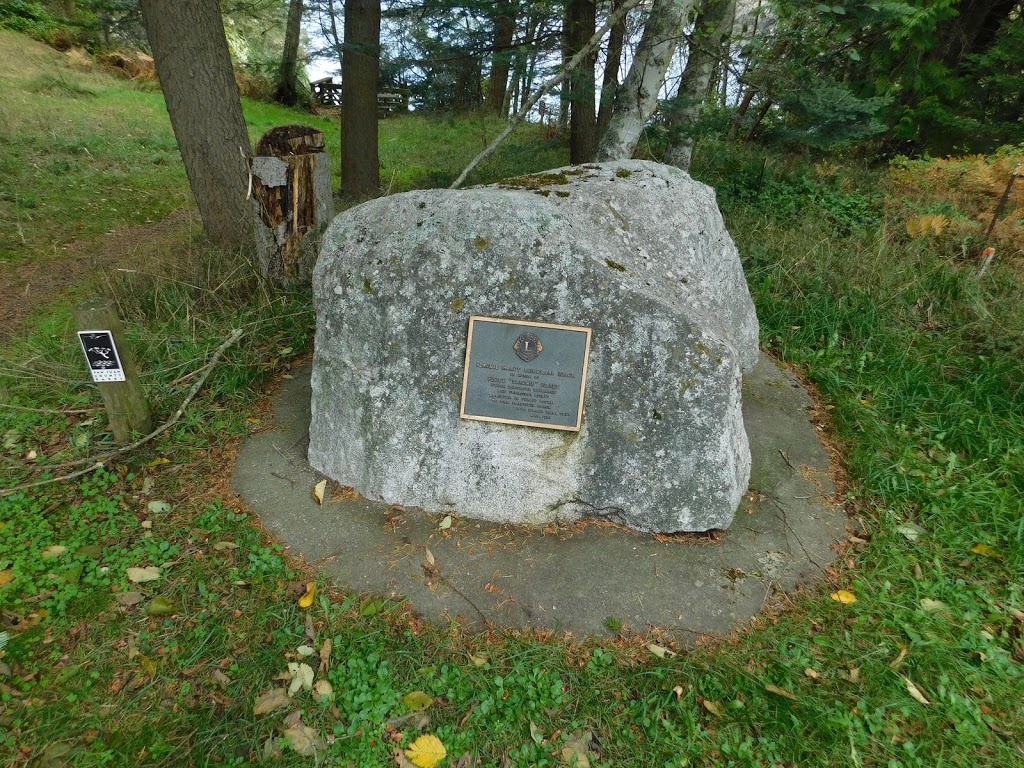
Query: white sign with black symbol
x,y
101,354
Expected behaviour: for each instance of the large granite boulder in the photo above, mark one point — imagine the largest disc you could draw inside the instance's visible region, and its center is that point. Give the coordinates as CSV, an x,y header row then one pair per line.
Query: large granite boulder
x,y
635,251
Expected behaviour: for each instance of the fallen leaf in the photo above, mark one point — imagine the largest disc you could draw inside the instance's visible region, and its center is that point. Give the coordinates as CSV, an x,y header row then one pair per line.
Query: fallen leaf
x,y
157,462
147,664
899,658
771,688
427,751
575,752
220,546
851,675
911,531
401,760
812,673
271,751
273,699
660,651
323,690
140,575
416,720
220,678
148,485
74,574
307,599
711,707
915,692
536,733
678,691
158,507
417,701
929,605
309,629
92,551
986,551
445,524
325,657
6,577
303,740
128,599
478,659
161,606
844,596
318,492
54,550
305,651
302,677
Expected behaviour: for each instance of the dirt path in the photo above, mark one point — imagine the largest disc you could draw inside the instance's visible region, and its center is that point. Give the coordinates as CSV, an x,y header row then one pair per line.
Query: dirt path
x,y
26,285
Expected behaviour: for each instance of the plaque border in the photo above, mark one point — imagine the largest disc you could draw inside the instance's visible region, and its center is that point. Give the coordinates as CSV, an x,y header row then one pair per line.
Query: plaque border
x,y
521,422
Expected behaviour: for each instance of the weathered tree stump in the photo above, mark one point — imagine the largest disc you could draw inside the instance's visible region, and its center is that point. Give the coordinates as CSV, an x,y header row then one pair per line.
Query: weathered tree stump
x,y
291,182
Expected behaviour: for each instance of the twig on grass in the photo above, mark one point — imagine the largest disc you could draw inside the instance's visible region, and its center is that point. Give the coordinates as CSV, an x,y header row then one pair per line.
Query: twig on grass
x,y
97,462
59,411
548,84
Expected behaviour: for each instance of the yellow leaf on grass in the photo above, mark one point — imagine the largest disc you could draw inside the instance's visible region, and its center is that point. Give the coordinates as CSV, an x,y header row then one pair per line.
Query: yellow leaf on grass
x,y
140,575
6,577
711,707
157,462
915,692
427,751
780,691
307,599
417,701
986,551
318,492
844,596
660,651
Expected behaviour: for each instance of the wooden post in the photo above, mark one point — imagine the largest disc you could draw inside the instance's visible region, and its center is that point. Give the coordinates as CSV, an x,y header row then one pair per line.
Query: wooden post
x,y
126,405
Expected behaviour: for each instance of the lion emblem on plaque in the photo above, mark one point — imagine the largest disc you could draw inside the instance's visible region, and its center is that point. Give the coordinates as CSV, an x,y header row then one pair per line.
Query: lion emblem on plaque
x,y
528,347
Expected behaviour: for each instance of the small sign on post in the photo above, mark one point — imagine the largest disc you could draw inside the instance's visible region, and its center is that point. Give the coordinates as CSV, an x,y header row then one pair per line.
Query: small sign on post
x,y
112,368
101,354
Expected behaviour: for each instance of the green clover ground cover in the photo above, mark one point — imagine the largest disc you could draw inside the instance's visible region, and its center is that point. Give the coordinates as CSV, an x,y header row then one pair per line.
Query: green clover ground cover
x,y
918,362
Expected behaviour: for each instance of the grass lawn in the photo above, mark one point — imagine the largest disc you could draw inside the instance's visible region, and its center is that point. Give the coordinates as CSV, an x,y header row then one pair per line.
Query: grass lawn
x,y
147,619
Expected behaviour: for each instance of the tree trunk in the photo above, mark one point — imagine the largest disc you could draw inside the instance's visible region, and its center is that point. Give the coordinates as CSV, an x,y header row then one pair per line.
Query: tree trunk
x,y
360,66
581,23
612,64
194,67
287,82
711,33
638,97
741,112
501,57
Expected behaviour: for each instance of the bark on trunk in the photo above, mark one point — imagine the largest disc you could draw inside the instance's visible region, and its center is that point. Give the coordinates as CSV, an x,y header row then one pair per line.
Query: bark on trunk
x,y
581,23
287,80
638,97
360,166
194,67
711,34
501,57
610,81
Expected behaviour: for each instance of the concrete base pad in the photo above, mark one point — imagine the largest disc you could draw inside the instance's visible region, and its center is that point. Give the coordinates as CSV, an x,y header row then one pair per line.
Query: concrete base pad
x,y
575,577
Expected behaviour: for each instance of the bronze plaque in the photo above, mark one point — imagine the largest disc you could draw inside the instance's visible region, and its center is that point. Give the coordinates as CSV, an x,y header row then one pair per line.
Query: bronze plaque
x,y
521,372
